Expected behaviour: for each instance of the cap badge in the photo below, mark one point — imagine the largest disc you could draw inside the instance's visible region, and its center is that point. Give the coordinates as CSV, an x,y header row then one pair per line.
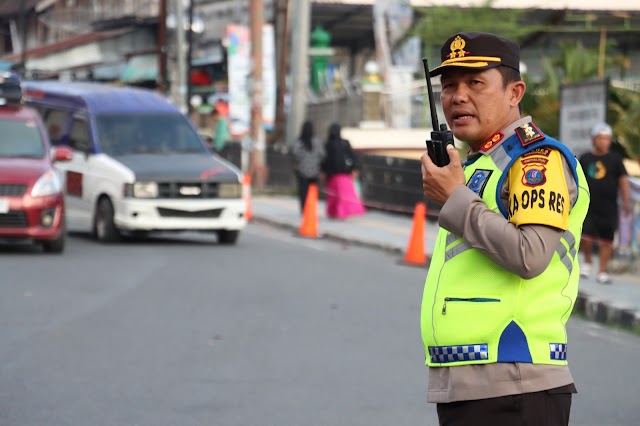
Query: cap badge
x,y
457,48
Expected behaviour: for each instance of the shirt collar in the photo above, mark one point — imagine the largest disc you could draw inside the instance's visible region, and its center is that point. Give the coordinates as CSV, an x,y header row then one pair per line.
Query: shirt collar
x,y
496,140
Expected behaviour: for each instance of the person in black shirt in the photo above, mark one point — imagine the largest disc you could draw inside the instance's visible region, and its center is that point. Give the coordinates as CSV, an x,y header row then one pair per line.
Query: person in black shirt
x,y
607,177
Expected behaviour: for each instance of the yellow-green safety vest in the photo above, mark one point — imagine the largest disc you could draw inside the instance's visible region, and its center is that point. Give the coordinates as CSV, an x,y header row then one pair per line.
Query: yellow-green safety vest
x,y
474,311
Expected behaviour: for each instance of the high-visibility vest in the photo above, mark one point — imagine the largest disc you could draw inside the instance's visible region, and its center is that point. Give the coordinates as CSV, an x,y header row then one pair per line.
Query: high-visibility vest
x,y
474,311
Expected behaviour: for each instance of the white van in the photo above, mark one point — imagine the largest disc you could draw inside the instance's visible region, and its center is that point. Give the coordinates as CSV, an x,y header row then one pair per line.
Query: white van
x,y
139,165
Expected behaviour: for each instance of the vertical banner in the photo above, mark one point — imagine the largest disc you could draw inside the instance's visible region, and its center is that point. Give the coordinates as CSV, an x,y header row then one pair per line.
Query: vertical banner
x,y
239,77
239,73
268,77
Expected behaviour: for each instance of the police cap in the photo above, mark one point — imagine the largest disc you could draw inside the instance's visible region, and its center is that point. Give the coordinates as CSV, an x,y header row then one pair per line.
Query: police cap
x,y
477,51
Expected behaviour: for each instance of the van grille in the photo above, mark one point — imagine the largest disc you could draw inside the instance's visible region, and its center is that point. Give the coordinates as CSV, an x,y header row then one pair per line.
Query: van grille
x,y
12,189
200,214
13,219
187,190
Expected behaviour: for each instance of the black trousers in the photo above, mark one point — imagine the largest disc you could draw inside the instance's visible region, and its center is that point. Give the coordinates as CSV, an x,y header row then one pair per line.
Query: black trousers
x,y
545,408
303,188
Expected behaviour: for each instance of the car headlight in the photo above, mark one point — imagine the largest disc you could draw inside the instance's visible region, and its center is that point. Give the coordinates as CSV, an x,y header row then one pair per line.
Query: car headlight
x,y
229,190
47,184
141,190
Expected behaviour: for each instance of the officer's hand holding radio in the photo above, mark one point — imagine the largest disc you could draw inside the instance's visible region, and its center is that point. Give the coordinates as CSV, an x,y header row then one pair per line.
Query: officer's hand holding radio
x,y
439,182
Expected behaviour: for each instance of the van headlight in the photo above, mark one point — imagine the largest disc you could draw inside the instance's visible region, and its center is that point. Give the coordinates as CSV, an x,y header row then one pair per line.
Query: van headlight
x,y
47,184
141,190
229,190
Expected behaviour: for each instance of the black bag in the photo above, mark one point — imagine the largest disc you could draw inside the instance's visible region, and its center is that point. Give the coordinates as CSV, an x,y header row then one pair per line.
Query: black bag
x,y
348,157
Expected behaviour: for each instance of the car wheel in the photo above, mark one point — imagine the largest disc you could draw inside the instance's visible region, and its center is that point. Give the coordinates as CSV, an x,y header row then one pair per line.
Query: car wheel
x,y
228,237
104,227
57,245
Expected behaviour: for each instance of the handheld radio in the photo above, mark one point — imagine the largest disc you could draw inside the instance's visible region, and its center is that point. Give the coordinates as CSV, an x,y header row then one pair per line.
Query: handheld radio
x,y
440,136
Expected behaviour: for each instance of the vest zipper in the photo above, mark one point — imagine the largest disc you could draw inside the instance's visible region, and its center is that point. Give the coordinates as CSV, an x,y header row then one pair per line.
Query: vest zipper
x,y
462,299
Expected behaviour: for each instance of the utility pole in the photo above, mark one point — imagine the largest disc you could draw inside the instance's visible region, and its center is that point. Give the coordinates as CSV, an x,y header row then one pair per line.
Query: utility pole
x,y
162,47
282,49
23,36
300,23
189,53
181,57
257,159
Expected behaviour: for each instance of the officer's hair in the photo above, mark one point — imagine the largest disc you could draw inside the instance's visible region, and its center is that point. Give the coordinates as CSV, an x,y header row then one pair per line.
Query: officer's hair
x,y
508,75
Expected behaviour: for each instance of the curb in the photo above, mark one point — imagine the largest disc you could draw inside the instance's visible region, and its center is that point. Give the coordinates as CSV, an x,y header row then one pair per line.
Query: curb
x,y
591,307
607,312
331,236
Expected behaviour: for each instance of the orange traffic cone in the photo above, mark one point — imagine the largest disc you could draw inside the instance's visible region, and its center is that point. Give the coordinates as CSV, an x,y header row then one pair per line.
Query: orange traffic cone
x,y
309,225
246,196
415,253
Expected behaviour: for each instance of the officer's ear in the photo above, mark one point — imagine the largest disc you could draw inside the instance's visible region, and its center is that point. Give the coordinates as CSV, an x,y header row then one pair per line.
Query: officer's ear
x,y
516,91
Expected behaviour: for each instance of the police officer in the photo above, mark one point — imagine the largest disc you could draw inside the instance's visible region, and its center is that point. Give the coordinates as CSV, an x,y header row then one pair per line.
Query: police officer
x,y
504,274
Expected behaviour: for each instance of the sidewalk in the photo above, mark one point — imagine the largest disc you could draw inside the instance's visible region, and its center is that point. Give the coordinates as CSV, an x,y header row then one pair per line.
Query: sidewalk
x,y
617,304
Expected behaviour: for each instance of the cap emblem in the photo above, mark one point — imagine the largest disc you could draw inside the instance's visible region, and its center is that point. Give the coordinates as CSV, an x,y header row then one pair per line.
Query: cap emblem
x,y
457,48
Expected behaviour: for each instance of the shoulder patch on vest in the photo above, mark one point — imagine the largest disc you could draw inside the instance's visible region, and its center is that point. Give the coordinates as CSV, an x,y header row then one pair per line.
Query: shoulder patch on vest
x,y
528,133
478,181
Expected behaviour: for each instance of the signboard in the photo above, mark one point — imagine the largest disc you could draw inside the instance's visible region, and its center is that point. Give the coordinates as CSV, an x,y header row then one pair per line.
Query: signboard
x,y
582,105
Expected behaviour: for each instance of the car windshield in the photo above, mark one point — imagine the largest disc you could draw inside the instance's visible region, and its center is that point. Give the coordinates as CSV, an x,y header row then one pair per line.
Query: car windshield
x,y
20,139
121,134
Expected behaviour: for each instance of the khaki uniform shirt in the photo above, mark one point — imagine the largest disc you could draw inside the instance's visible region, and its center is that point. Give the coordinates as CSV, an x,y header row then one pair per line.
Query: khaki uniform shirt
x,y
519,249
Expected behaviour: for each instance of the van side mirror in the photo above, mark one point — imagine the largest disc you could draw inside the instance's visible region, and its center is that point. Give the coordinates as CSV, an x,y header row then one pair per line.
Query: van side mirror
x,y
63,153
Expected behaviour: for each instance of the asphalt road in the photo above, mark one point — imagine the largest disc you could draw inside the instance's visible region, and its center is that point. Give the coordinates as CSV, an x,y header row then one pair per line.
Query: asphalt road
x,y
276,331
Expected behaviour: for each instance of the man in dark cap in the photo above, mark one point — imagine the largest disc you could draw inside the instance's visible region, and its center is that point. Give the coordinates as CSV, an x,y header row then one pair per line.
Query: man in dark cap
x,y
504,274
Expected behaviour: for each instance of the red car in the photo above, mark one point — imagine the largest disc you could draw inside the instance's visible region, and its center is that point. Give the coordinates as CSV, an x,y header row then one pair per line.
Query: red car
x,y
31,196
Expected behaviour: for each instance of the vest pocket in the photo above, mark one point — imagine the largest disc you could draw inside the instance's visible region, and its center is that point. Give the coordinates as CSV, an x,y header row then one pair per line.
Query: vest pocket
x,y
466,300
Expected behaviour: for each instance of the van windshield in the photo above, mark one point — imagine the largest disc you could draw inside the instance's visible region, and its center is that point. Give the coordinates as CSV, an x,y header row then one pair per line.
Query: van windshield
x,y
123,134
20,139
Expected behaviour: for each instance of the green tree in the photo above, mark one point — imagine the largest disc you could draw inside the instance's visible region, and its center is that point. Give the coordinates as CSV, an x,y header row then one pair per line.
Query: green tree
x,y
574,64
438,23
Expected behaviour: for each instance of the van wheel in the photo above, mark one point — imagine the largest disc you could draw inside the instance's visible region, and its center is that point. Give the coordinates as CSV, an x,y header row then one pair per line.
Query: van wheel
x,y
227,237
103,226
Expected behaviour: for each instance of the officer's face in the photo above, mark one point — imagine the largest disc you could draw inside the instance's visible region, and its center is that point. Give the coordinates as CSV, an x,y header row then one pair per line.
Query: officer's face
x,y
477,104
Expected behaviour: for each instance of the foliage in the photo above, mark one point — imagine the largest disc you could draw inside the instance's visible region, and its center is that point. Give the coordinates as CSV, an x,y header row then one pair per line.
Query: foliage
x,y
624,113
574,64
438,23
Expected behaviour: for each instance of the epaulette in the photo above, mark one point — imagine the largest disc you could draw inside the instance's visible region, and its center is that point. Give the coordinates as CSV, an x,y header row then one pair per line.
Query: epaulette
x,y
528,133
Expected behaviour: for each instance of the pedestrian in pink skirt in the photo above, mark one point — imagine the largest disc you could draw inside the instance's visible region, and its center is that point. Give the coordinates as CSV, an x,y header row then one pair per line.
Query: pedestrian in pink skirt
x,y
340,168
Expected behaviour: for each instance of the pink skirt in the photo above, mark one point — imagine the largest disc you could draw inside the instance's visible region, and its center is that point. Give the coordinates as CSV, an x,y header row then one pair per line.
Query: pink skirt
x,y
342,199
